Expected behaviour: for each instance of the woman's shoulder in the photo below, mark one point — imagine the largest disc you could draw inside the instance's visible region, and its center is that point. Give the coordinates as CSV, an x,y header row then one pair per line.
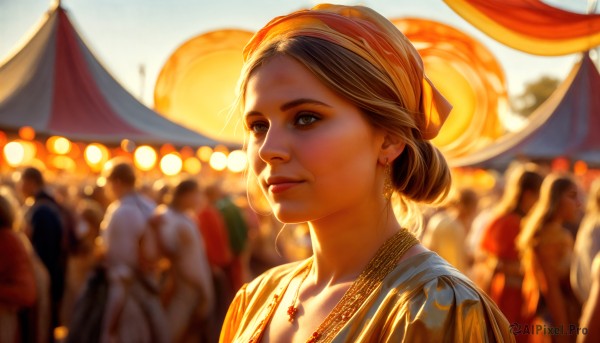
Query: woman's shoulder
x,y
427,280
425,269
439,301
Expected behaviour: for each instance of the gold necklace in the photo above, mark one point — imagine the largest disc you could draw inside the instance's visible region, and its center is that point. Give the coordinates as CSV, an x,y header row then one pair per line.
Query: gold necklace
x,y
293,309
384,261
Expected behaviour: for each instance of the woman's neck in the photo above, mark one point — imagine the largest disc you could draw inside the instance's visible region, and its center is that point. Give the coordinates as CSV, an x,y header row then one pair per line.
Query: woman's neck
x,y
345,242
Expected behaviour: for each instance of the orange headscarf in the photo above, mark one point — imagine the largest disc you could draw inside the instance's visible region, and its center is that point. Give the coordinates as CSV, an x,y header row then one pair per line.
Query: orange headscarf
x,y
374,38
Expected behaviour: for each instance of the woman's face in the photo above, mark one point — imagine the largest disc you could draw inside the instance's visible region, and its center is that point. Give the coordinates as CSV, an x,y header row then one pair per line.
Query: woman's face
x,y
312,151
569,205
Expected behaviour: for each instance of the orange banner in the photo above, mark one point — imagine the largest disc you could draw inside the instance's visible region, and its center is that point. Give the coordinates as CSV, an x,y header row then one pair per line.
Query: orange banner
x,y
531,25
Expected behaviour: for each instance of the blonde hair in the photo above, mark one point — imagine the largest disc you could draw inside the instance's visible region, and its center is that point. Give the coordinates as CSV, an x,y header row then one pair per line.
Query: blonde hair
x,y
420,173
544,210
593,201
520,179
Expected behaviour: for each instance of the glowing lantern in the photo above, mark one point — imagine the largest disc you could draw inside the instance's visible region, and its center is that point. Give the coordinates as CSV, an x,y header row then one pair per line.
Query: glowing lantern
x,y
218,161
192,165
171,164
27,133
196,86
236,161
14,154
95,156
58,145
204,153
145,158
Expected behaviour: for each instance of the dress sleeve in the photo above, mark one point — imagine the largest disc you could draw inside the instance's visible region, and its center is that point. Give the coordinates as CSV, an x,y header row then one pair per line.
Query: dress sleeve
x,y
234,316
447,309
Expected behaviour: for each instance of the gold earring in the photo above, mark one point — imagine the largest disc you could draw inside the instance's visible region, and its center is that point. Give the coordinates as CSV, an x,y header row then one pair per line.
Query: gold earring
x,y
388,188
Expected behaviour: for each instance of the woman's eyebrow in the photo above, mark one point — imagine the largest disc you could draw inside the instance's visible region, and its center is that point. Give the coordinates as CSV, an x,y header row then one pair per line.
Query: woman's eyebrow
x,y
301,101
291,104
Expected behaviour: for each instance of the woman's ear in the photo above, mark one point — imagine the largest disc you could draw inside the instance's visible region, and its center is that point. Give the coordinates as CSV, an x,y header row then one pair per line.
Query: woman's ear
x,y
391,148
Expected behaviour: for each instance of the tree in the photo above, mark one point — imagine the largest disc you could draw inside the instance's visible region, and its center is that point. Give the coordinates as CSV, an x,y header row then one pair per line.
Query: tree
x,y
535,93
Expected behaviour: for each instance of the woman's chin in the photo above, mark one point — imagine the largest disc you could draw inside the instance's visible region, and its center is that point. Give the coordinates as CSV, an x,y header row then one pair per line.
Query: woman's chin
x,y
289,216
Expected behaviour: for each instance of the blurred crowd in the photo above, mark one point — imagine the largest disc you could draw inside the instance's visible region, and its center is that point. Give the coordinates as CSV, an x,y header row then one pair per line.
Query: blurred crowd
x,y
533,246
132,260
129,260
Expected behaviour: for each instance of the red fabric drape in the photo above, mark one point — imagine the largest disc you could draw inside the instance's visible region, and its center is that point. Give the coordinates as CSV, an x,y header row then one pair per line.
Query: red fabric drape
x,y
531,25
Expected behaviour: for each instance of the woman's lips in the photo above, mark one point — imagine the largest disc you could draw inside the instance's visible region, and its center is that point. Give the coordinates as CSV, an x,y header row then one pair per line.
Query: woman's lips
x,y
278,184
282,186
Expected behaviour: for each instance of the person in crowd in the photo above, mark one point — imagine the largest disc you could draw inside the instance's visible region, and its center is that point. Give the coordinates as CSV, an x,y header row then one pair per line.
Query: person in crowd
x,y
498,269
83,258
545,246
587,244
212,228
447,230
486,204
237,231
17,280
339,116
133,311
46,227
190,291
591,311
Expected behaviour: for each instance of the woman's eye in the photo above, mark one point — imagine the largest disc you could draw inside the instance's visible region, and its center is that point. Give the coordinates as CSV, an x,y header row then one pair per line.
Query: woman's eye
x,y
258,127
305,119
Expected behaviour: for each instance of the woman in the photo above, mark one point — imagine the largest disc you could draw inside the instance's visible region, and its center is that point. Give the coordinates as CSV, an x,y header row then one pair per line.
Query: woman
x,y
587,245
498,256
339,116
546,246
190,287
591,310
17,281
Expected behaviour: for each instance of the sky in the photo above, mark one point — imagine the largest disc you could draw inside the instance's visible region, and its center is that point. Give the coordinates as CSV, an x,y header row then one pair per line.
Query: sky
x,y
125,34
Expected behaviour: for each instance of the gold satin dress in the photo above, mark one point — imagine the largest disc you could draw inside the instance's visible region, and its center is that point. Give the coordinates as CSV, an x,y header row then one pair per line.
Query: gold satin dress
x,y
424,299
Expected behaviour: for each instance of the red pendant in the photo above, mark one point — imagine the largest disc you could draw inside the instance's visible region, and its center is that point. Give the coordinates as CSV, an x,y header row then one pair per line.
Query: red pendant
x,y
292,313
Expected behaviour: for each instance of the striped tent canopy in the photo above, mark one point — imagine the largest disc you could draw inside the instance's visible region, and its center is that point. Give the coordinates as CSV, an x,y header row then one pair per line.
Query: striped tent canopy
x,y
56,85
566,125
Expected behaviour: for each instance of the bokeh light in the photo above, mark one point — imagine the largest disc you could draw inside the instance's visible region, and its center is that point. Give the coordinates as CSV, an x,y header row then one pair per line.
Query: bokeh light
x,y
218,161
19,152
145,157
128,145
192,165
14,154
63,163
580,168
27,133
204,153
237,161
171,164
58,145
95,156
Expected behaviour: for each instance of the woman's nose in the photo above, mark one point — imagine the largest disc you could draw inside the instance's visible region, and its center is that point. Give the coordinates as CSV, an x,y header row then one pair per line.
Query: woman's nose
x,y
274,147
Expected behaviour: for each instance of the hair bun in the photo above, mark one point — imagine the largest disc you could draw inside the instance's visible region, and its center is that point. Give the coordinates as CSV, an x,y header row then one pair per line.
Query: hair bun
x,y
421,173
